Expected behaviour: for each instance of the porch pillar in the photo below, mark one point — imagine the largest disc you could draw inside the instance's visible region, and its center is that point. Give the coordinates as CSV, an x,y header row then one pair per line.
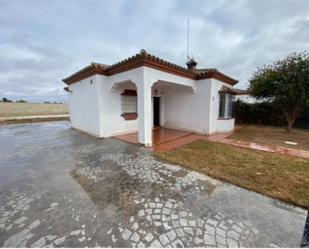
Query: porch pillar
x,y
144,103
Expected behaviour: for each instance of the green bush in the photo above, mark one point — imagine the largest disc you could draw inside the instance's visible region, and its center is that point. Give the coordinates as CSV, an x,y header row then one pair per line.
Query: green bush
x,y
265,114
303,120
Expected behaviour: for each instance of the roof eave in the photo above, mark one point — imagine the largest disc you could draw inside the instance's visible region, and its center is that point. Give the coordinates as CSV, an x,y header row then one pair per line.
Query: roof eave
x,y
219,76
83,73
235,91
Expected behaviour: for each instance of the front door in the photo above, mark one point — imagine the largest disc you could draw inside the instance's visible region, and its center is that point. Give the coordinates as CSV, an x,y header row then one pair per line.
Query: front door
x,y
156,111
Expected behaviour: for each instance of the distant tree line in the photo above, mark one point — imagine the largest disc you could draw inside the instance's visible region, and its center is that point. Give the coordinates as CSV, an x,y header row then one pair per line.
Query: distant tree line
x,y
6,100
48,102
24,101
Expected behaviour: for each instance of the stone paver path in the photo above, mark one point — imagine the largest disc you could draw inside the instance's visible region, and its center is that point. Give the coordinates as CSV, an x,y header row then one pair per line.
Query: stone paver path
x,y
62,188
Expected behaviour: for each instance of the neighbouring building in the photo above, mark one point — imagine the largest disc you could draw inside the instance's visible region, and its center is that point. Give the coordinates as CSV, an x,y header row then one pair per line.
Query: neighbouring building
x,y
144,91
245,96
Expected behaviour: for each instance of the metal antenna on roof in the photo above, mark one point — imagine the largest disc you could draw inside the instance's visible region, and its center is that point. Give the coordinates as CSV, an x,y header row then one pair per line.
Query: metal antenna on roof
x,y
191,63
188,34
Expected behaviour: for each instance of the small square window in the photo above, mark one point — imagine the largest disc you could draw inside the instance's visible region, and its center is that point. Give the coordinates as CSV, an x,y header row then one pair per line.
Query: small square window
x,y
129,104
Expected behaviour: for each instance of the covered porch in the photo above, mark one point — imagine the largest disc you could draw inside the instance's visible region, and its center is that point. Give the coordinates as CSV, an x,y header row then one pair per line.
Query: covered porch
x,y
159,114
163,139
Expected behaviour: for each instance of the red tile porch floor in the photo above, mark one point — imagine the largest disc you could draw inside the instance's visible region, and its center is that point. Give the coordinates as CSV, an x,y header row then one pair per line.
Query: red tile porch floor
x,y
160,136
130,138
168,139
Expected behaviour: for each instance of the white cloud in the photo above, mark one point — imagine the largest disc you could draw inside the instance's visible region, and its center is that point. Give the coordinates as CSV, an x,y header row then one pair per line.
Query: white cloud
x,y
45,41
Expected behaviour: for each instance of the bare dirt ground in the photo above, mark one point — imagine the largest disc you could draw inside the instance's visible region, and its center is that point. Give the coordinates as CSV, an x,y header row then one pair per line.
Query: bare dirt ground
x,y
13,113
31,109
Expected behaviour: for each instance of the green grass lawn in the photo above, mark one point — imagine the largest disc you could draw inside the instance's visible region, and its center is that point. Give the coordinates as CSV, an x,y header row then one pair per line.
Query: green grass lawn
x,y
273,136
282,177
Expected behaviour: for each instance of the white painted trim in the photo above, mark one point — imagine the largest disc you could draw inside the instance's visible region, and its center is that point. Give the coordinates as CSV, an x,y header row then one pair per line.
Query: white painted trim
x,y
114,85
185,129
161,110
87,132
117,133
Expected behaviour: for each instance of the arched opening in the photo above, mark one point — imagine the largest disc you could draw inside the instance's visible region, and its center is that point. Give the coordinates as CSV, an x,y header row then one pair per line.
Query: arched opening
x,y
156,106
128,95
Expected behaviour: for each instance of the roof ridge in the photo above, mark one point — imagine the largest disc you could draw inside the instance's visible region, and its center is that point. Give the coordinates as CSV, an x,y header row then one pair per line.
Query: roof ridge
x,y
145,55
97,64
145,59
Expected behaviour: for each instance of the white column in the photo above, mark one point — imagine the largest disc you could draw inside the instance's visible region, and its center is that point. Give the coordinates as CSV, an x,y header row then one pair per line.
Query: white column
x,y
144,103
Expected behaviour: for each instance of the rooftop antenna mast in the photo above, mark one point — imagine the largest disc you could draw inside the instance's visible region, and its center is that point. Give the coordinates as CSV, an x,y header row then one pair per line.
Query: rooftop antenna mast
x,y
188,36
191,63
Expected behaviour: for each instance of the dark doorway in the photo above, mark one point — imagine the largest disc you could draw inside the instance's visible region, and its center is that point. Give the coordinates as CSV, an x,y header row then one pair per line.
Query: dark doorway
x,y
156,111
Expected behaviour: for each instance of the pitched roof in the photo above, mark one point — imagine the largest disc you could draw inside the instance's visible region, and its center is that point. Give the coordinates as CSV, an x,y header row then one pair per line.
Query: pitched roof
x,y
145,59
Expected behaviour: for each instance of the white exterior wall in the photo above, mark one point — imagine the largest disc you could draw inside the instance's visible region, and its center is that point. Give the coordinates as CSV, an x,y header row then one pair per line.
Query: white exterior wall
x,y
110,100
84,106
225,125
216,124
188,110
185,104
112,123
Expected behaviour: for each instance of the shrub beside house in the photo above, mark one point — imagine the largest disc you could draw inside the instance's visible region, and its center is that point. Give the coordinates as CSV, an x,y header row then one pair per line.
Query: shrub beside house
x,y
266,113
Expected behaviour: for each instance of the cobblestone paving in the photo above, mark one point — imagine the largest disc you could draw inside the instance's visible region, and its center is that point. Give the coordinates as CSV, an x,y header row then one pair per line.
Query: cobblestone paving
x,y
60,187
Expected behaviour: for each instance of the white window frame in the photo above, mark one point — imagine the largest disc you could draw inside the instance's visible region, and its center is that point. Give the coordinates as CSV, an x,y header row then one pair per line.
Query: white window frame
x,y
228,106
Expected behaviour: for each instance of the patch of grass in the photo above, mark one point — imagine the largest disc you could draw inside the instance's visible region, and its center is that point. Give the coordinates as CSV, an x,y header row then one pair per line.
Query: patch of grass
x,y
282,177
273,136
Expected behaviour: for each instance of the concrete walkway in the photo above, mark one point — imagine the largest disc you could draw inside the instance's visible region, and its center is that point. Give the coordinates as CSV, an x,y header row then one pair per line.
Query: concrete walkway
x,y
63,188
223,138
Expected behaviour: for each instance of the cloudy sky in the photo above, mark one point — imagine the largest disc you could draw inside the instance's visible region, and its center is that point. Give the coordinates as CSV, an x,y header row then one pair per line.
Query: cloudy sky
x,y
42,42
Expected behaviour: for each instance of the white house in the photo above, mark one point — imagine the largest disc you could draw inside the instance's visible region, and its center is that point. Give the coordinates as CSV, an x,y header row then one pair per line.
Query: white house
x,y
144,91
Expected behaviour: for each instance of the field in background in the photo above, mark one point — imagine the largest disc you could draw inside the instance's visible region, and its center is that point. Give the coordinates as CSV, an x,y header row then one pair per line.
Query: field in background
x,y
31,109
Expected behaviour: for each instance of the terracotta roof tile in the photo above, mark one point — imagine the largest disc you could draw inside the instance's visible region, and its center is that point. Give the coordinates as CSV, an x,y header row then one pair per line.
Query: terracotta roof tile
x,y
145,59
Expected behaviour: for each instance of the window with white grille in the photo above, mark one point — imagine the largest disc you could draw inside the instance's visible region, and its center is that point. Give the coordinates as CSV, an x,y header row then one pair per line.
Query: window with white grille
x,y
129,101
128,104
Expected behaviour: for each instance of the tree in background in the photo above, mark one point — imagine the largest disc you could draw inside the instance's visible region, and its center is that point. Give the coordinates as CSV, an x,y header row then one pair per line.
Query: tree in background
x,y
21,101
6,100
284,83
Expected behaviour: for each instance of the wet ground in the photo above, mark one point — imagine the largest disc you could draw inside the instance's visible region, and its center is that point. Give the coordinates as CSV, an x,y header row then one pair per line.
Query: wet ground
x,y
62,188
